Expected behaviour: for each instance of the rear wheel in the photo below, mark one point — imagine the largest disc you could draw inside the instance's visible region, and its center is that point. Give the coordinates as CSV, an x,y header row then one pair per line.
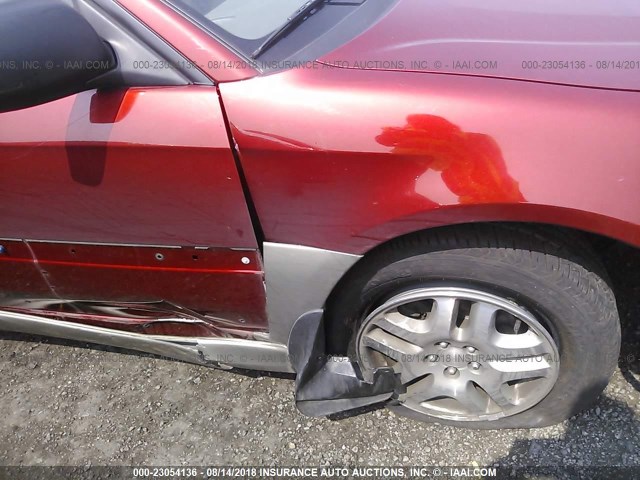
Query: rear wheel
x,y
487,326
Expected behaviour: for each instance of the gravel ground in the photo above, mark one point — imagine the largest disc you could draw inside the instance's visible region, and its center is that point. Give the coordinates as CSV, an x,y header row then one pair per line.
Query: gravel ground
x,y
74,404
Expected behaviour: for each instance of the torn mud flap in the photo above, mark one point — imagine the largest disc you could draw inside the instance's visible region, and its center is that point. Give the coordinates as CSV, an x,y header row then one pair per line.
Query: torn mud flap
x,y
326,384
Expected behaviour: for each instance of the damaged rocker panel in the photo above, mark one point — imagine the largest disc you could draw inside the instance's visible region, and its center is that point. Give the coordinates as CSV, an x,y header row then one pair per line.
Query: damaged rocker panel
x,y
108,284
149,318
214,352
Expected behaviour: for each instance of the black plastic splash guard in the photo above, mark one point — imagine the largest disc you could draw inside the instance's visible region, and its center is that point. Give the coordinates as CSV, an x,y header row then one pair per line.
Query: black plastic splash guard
x,y
327,385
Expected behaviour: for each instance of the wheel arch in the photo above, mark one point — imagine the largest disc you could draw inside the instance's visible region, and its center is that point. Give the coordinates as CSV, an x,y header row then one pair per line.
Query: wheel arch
x,y
616,255
591,223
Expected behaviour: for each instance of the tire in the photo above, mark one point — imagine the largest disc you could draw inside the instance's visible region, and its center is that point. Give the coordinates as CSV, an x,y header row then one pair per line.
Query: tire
x,y
551,275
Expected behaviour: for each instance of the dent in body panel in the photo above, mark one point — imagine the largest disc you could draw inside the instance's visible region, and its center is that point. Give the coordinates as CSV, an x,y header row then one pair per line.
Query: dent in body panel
x,y
374,155
95,180
135,166
222,352
164,290
20,272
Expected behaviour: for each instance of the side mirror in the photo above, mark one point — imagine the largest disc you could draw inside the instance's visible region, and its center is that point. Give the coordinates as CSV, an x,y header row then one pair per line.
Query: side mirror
x,y
47,51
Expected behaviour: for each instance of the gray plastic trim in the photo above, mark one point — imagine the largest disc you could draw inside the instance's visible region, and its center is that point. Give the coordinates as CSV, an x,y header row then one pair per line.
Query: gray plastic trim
x,y
299,279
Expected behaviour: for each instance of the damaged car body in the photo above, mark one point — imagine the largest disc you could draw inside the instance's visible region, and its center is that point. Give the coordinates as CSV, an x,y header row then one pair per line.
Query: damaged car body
x,y
394,208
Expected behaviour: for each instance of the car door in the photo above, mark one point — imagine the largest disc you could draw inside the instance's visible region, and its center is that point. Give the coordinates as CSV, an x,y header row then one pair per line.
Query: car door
x,y
124,207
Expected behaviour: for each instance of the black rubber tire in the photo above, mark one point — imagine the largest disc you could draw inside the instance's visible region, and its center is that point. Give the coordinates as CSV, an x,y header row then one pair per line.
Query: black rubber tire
x,y
553,275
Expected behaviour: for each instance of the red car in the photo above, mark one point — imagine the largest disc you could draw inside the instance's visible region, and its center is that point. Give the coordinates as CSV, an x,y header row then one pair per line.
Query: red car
x,y
402,201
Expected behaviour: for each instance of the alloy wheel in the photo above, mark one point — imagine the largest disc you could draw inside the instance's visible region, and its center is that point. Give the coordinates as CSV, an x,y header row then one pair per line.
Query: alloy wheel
x,y
461,354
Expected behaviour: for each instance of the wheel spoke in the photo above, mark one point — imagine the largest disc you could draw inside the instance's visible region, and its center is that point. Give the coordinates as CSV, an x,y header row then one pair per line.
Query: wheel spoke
x,y
522,368
472,399
443,317
462,354
481,326
422,390
494,392
390,345
512,347
409,329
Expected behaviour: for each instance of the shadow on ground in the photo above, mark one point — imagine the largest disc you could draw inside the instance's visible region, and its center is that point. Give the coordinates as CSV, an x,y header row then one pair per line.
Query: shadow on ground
x,y
579,453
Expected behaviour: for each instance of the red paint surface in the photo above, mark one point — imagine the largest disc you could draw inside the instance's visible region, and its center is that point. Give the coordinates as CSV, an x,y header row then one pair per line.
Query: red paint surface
x,y
21,276
592,43
201,49
337,158
127,267
129,167
372,155
145,166
213,282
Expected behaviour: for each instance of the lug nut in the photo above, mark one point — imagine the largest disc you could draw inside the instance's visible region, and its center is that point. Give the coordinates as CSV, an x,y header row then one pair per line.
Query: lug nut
x,y
472,349
474,365
432,358
443,344
451,370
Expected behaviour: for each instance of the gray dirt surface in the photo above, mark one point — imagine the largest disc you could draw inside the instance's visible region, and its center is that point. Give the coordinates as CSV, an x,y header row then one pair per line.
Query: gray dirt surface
x,y
75,404
65,403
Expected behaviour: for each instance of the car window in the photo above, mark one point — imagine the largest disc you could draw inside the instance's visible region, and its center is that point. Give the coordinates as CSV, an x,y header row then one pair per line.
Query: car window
x,y
245,19
245,25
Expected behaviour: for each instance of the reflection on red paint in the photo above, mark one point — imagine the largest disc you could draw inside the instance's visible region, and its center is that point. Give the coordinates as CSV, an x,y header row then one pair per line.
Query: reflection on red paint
x,y
111,106
471,164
